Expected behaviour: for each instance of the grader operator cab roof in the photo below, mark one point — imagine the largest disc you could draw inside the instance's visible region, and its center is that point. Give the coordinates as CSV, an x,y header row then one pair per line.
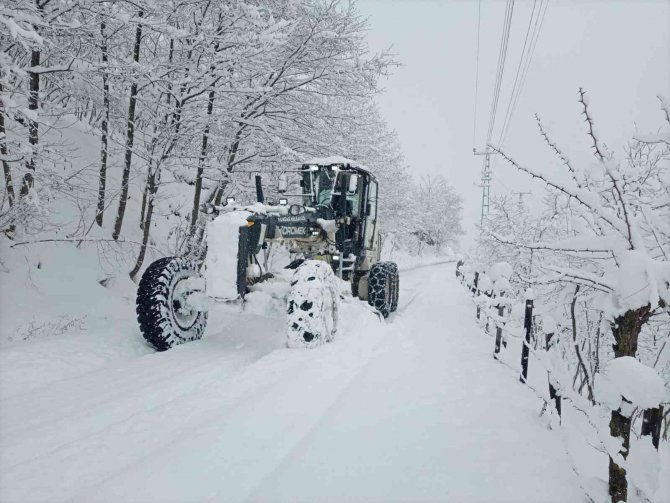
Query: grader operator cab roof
x,y
321,175
339,161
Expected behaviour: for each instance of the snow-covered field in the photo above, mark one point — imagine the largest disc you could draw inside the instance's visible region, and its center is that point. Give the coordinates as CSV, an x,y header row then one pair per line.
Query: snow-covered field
x,y
410,409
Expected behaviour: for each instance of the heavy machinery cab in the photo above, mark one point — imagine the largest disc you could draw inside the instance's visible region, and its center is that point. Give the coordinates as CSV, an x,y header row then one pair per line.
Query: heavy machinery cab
x,y
346,193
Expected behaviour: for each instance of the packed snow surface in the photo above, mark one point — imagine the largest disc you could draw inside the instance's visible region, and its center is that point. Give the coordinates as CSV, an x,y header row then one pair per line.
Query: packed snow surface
x,y
642,464
412,408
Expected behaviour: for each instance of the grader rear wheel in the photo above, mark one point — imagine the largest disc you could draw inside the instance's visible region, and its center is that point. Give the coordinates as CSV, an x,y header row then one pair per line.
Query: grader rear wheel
x,y
383,287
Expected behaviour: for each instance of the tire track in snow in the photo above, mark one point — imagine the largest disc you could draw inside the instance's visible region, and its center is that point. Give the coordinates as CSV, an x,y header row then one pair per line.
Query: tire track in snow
x,y
124,432
262,397
279,405
135,439
337,401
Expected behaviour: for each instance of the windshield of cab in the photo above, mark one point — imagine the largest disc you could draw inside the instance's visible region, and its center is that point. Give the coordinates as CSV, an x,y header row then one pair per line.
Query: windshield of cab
x,y
317,186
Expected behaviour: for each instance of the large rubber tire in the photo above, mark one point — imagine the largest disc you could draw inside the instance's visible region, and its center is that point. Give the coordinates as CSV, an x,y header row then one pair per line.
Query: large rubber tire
x,y
312,305
395,285
381,294
163,321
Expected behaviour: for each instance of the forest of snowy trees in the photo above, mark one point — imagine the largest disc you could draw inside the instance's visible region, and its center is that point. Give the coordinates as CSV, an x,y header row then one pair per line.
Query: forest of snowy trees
x,y
119,119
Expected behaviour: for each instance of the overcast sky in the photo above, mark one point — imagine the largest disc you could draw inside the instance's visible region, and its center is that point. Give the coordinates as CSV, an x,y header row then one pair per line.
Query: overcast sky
x,y
619,51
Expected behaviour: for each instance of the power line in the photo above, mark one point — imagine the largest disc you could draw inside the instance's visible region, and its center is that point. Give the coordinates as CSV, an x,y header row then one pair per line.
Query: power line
x,y
522,60
479,23
529,58
532,36
502,56
497,78
500,181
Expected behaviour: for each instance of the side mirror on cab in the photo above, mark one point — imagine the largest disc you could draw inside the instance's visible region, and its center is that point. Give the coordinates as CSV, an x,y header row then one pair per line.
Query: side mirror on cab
x,y
282,183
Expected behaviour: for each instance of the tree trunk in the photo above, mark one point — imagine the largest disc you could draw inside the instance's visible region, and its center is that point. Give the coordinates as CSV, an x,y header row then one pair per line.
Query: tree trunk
x,y
33,131
130,137
201,168
651,424
626,330
525,349
618,487
151,189
580,360
217,193
3,151
105,126
143,206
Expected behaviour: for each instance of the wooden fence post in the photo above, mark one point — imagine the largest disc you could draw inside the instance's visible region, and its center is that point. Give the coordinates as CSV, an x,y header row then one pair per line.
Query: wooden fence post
x,y
476,291
527,325
501,312
552,391
489,294
651,424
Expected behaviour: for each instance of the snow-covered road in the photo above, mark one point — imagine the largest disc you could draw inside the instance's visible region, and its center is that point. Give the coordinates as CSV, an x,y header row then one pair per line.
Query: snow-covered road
x,y
411,409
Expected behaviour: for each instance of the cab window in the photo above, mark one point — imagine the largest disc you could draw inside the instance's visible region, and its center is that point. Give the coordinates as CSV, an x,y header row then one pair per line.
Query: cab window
x,y
317,186
372,200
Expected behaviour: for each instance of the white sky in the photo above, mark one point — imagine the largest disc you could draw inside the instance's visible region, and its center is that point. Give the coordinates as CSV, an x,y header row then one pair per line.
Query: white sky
x,y
618,51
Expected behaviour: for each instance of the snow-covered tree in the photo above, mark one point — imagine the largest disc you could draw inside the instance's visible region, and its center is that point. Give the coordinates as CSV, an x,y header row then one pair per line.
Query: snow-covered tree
x,y
189,98
615,247
440,206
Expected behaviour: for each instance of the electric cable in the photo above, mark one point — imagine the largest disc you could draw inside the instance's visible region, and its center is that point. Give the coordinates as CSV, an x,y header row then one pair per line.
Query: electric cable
x,y
502,56
497,78
522,60
479,23
534,39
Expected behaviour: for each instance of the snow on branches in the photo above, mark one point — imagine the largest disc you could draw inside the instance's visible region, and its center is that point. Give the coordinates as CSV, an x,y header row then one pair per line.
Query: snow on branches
x,y
619,223
599,260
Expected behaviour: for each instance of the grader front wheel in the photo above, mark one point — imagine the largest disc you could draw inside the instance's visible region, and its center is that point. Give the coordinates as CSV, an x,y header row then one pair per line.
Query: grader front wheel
x,y
312,306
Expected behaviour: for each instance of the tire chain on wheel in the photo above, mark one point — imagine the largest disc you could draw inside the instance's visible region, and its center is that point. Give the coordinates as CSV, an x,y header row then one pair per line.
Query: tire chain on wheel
x,y
312,305
395,285
383,276
154,310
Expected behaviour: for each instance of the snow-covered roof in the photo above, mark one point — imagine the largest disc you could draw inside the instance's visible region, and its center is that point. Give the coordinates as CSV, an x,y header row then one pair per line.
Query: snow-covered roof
x,y
336,159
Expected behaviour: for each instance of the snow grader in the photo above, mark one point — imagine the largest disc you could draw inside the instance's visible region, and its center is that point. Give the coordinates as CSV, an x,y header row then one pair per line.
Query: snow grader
x,y
331,235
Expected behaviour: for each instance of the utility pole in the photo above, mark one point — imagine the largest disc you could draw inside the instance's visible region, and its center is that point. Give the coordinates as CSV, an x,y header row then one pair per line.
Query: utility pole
x,y
486,180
